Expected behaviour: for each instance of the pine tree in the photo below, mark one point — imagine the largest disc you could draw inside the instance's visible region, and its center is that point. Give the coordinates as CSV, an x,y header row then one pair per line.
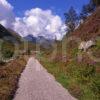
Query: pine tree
x,y
87,9
84,13
71,19
90,6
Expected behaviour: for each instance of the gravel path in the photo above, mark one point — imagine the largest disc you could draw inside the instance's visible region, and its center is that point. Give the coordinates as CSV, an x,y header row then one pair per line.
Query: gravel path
x,y
37,84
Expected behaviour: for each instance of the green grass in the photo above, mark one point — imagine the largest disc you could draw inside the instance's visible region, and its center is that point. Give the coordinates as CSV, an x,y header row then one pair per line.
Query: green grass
x,y
80,78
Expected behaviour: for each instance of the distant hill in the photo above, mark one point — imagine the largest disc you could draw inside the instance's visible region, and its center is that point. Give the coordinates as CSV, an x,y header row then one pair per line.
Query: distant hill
x,y
46,43
30,38
9,33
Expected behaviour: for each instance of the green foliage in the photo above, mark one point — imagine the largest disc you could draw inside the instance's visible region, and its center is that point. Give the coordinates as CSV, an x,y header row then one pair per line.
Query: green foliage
x,y
81,79
7,53
7,49
96,84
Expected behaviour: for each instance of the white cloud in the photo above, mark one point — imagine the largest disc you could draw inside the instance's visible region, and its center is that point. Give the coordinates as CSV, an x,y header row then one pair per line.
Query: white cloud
x,y
6,13
39,22
36,21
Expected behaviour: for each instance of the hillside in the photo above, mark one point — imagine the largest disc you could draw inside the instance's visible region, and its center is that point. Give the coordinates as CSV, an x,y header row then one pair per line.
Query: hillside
x,y
90,28
8,32
75,69
14,34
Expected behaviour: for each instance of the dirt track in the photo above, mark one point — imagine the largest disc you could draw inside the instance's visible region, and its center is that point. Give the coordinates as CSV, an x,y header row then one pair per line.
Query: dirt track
x,y
37,84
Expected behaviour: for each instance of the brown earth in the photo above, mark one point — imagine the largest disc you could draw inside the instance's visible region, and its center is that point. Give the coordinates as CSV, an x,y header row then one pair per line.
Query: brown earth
x,y
90,28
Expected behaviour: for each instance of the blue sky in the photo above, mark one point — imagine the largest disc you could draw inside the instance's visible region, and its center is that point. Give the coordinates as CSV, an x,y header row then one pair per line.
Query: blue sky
x,y
57,6
37,17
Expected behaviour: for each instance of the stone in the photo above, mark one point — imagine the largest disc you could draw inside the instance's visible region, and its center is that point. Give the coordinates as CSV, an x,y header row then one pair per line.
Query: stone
x,y
85,45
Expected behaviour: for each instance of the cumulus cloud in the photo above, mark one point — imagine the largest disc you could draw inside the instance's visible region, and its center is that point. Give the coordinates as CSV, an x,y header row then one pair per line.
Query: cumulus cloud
x,y
6,13
38,22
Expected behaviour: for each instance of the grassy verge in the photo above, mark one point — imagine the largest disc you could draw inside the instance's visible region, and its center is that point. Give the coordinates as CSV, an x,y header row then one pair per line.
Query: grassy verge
x,y
82,79
79,79
9,75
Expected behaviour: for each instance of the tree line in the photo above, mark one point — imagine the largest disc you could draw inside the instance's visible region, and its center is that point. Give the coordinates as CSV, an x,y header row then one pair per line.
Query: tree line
x,y
72,18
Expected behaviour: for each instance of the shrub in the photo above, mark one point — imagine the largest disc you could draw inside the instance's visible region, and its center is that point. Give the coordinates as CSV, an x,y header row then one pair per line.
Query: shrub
x,y
7,53
96,84
1,62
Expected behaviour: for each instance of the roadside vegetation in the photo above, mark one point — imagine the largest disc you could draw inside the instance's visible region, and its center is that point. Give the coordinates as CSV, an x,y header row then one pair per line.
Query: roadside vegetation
x,y
9,76
79,74
80,78
10,71
75,69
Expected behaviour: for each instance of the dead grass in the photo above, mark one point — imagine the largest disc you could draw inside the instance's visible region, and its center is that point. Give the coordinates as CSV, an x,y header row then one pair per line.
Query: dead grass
x,y
9,75
90,28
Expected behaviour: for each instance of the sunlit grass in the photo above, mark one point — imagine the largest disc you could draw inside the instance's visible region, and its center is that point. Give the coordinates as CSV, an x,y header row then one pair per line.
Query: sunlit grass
x,y
81,78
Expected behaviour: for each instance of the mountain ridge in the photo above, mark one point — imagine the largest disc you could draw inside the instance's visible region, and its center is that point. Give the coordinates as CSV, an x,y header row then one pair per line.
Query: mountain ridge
x,y
9,34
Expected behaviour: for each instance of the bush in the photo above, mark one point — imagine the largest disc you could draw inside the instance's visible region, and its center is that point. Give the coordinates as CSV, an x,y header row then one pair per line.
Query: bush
x,y
7,53
96,84
1,62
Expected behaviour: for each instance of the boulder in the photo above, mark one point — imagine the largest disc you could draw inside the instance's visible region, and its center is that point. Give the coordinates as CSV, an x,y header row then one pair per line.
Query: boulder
x,y
85,45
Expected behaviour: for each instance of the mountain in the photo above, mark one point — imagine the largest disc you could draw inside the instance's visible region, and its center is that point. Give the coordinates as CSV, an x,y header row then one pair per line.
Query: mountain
x,y
9,34
30,38
4,32
14,34
46,43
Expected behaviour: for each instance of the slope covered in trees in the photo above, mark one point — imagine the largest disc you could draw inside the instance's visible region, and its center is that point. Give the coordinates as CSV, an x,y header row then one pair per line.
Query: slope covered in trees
x,y
90,28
